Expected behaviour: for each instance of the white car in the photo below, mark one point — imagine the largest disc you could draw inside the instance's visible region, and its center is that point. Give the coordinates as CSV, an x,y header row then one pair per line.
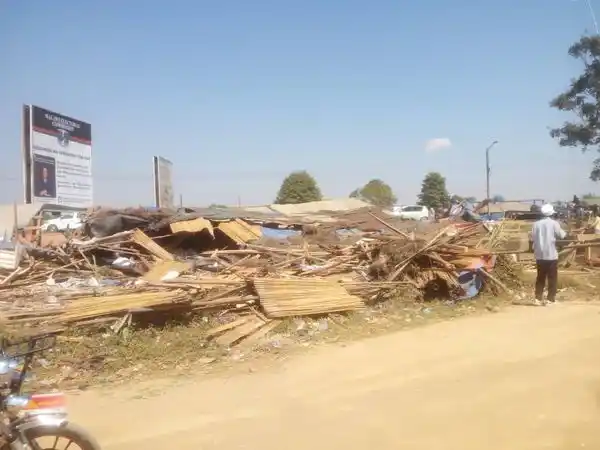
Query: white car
x,y
66,221
414,212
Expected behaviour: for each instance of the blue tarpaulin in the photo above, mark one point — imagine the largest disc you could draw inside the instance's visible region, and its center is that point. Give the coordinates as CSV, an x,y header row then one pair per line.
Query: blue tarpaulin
x,y
347,231
471,281
275,233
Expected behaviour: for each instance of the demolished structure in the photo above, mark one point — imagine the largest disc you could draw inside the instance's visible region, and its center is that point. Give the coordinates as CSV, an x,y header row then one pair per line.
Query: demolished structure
x,y
132,263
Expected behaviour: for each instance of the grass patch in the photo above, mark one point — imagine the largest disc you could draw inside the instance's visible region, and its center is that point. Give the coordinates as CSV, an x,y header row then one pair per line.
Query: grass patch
x,y
81,360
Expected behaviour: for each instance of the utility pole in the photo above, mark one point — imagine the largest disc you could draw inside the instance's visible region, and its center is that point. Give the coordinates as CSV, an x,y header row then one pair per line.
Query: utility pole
x,y
487,169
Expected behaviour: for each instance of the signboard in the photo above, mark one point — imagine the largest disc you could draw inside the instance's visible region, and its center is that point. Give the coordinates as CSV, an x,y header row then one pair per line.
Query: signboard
x,y
163,184
57,158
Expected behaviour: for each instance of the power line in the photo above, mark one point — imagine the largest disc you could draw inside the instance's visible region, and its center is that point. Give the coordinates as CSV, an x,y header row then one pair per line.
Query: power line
x,y
593,14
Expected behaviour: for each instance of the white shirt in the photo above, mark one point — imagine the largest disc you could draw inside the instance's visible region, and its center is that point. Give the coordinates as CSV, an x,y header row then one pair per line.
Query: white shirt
x,y
544,235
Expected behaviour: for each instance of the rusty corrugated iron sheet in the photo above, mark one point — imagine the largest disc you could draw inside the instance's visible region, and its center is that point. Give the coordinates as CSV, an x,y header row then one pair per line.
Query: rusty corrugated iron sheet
x,y
240,231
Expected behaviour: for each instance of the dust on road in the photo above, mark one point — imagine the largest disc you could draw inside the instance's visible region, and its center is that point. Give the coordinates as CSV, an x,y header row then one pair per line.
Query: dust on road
x,y
527,378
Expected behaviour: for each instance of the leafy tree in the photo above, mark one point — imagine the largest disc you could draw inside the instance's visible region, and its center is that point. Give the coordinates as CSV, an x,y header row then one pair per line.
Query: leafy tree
x,y
498,198
433,191
298,187
377,193
582,98
589,195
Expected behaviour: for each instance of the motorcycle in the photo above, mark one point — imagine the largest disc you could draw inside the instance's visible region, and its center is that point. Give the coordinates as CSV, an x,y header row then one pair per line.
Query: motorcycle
x,y
28,422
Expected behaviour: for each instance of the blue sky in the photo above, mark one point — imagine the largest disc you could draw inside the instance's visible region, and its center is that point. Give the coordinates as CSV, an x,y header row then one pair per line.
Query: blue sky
x,y
239,93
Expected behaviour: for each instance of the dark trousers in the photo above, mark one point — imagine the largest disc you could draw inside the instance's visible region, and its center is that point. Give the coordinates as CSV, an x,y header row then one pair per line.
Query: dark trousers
x,y
546,269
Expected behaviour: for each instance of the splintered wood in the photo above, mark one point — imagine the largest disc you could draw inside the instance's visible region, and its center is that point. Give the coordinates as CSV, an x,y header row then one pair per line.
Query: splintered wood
x,y
286,298
140,238
203,266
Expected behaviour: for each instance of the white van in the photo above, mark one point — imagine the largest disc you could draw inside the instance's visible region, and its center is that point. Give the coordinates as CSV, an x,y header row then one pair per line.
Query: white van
x,y
69,220
413,212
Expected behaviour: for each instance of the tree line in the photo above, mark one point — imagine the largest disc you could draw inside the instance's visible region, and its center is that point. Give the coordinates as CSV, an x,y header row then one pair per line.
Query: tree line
x,y
301,187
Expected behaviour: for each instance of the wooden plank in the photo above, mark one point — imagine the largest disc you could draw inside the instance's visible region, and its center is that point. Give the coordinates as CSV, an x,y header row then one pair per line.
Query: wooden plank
x,y
140,238
227,326
162,268
229,338
587,237
258,335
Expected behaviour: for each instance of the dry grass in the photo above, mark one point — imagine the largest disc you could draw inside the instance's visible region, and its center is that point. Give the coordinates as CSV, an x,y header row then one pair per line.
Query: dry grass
x,y
83,360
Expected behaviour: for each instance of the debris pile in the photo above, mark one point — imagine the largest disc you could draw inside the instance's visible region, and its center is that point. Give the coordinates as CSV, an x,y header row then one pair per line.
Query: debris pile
x,y
127,264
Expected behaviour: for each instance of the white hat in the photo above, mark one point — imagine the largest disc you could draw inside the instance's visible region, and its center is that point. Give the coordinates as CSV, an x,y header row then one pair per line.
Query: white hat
x,y
547,209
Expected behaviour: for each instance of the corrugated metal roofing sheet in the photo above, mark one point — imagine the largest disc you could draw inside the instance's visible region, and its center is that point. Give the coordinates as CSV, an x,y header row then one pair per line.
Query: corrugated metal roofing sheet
x,y
507,206
344,204
192,226
240,231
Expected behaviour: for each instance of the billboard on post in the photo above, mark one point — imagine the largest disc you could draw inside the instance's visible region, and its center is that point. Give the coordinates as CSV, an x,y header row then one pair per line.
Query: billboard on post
x,y
163,183
57,153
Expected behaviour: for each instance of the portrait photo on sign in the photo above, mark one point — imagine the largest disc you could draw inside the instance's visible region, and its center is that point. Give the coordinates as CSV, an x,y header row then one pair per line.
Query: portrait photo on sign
x,y
44,176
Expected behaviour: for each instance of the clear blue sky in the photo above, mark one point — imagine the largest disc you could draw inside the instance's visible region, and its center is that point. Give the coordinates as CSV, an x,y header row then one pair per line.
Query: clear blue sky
x,y
239,93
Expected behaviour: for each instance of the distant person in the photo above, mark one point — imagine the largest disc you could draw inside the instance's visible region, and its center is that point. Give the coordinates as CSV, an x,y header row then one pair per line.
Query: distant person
x,y
594,223
456,209
544,234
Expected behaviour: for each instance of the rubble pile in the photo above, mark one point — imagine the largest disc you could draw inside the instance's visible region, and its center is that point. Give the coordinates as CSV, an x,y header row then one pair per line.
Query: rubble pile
x,y
126,265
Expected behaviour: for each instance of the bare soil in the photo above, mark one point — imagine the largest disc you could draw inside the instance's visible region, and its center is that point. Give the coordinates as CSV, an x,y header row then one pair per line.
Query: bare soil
x,y
525,378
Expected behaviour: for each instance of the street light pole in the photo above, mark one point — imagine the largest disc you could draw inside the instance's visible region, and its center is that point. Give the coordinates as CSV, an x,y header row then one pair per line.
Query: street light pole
x,y
487,169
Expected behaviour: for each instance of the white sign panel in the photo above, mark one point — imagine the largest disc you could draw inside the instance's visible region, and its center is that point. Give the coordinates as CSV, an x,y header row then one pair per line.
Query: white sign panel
x,y
61,159
163,183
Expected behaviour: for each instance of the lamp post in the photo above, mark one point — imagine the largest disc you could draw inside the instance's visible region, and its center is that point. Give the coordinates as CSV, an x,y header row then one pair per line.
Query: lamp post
x,y
487,169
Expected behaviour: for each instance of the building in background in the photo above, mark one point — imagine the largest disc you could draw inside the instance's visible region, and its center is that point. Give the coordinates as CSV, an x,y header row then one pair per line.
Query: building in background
x,y
57,159
163,183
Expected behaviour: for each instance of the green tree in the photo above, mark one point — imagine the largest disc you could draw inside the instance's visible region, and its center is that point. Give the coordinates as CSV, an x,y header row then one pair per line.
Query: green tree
x,y
498,198
377,193
582,99
433,191
298,187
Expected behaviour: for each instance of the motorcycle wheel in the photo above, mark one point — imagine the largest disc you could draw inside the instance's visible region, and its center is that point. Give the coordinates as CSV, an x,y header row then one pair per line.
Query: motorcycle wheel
x,y
52,435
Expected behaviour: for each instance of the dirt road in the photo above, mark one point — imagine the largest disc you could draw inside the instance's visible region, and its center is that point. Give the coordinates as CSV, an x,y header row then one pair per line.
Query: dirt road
x,y
527,378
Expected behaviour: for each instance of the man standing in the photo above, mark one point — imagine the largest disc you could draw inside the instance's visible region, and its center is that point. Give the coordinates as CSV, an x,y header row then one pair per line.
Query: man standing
x,y
594,223
544,235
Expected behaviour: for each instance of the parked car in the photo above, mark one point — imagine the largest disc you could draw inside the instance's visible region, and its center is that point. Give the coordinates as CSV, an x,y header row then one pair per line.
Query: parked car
x,y
414,212
64,222
396,210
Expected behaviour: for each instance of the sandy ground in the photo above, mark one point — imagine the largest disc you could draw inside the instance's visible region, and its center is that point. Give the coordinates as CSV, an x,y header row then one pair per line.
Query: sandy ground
x,y
526,378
